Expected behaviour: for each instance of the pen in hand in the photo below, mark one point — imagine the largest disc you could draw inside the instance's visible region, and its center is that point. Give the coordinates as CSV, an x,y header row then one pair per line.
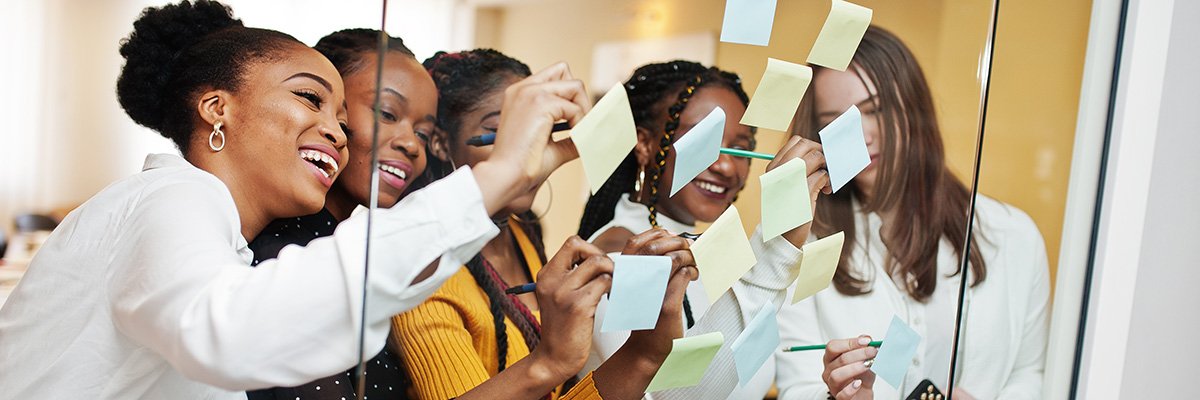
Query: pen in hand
x,y
529,287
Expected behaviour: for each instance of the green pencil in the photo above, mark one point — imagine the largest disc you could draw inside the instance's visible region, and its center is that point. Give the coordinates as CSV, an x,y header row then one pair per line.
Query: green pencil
x,y
744,153
876,343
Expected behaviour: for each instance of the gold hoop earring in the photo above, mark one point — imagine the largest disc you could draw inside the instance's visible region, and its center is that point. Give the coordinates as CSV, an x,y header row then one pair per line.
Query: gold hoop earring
x,y
216,133
637,184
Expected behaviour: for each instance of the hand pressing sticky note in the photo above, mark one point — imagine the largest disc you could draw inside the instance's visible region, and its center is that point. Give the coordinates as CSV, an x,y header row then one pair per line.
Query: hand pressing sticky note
x,y
757,342
605,136
897,351
723,254
748,21
689,358
820,261
778,95
698,148
785,198
639,284
839,37
845,148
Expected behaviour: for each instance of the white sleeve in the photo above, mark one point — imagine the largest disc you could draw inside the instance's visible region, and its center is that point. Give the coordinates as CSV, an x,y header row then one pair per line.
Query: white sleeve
x,y
181,289
798,374
1025,380
766,282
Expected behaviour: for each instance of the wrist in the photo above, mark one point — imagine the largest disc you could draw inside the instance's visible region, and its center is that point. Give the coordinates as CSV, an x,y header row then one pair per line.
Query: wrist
x,y
545,370
499,183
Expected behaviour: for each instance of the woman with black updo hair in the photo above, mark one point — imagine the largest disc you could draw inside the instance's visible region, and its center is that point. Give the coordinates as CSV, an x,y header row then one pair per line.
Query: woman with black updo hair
x,y
146,290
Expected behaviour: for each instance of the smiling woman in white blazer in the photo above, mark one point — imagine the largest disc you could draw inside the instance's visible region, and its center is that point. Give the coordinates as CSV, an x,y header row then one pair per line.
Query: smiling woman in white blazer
x,y
146,291
905,219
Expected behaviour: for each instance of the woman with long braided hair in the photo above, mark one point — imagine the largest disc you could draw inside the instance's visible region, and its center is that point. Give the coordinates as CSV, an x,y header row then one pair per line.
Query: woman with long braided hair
x,y
667,100
471,339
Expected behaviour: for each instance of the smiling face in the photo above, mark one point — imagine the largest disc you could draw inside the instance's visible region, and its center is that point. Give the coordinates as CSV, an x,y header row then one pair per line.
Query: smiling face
x,y
833,93
485,118
707,196
285,141
408,106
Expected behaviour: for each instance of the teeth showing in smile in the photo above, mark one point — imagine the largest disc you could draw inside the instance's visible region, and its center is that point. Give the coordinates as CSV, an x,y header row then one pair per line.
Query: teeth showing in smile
x,y
323,161
711,187
394,171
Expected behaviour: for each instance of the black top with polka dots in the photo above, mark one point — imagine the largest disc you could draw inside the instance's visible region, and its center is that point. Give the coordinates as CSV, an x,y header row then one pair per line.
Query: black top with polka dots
x,y
385,379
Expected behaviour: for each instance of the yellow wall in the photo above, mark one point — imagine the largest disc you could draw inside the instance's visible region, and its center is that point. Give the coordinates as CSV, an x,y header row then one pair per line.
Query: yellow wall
x,y
1033,100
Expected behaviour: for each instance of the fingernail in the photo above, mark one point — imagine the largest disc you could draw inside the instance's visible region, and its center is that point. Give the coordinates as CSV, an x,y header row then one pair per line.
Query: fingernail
x,y
857,383
872,351
864,340
869,363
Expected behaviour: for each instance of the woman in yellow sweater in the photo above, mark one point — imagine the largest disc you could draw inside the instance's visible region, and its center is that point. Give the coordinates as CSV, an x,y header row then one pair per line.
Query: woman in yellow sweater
x,y
471,340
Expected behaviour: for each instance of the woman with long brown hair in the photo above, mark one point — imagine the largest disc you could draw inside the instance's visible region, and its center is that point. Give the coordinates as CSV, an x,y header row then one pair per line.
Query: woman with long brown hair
x,y
905,218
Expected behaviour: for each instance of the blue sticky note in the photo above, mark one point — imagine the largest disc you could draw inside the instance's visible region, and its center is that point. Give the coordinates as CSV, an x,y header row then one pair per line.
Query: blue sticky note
x,y
845,148
896,353
748,21
756,343
639,284
698,148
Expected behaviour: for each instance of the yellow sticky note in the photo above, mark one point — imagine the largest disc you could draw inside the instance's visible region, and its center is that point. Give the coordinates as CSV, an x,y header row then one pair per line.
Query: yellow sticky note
x,y
839,37
778,95
605,136
723,254
785,201
689,359
820,261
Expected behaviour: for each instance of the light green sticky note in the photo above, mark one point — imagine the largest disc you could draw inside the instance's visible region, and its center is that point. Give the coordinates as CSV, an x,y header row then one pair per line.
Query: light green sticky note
x,y
785,201
605,136
689,358
723,254
820,261
839,37
778,95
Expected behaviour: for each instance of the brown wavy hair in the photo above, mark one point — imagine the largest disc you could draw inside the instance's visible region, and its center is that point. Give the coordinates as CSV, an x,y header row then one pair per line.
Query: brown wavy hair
x,y
913,178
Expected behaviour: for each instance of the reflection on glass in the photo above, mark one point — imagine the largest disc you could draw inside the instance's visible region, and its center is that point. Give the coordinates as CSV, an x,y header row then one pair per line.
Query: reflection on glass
x,y
905,223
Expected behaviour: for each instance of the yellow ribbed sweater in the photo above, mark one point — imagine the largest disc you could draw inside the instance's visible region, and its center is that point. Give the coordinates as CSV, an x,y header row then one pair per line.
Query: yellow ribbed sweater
x,y
448,343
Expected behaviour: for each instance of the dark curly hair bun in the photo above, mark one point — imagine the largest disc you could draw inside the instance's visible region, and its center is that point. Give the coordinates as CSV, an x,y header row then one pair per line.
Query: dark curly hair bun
x,y
177,50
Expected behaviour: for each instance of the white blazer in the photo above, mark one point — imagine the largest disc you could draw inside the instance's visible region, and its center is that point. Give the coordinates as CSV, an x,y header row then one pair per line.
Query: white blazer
x,y
1004,337
146,291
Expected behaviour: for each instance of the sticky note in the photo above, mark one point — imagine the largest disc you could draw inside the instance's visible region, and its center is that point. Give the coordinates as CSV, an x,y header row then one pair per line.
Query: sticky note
x,y
785,201
778,95
639,284
820,262
839,37
845,148
689,358
605,136
698,148
723,254
897,351
757,342
748,21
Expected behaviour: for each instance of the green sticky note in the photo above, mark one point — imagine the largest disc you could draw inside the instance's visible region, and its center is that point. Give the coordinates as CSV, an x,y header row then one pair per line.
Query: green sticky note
x,y
839,37
605,136
778,95
689,358
723,254
785,201
820,261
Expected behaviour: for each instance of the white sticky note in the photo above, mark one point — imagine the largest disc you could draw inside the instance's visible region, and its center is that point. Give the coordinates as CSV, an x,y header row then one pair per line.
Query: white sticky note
x,y
698,148
845,148
639,284
748,21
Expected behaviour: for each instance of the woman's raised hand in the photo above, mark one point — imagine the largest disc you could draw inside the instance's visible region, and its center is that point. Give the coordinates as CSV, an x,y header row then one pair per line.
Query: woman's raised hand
x,y
818,177
656,343
568,289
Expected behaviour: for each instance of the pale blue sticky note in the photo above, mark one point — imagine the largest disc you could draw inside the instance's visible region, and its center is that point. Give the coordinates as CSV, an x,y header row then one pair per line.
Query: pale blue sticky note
x,y
896,353
756,343
845,148
748,21
698,149
639,284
